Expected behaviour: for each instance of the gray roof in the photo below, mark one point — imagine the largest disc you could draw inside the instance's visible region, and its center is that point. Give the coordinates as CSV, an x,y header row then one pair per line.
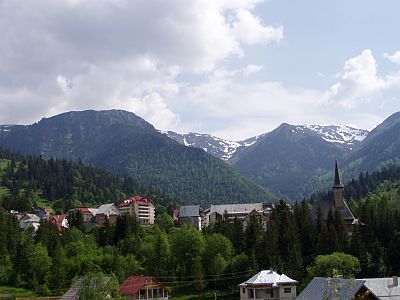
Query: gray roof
x,y
73,292
383,288
321,288
104,208
189,211
30,218
236,208
327,204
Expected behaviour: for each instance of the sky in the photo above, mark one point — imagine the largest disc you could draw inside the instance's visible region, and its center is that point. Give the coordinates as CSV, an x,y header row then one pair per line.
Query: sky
x,y
231,68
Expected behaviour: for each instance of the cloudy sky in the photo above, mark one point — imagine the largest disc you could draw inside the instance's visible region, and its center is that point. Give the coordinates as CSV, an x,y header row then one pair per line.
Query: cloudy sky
x,y
233,68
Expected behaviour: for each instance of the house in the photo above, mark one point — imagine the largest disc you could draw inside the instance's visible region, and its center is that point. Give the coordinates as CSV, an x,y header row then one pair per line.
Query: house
x,y
87,282
260,217
140,207
87,213
107,211
322,288
193,215
268,284
337,204
43,212
231,211
384,288
28,220
143,287
60,221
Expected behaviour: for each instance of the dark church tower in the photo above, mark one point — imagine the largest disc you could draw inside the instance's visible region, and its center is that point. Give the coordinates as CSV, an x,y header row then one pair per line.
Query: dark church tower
x,y
338,189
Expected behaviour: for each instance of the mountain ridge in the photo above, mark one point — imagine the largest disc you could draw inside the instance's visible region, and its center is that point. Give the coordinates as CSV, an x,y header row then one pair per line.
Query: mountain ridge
x,y
126,144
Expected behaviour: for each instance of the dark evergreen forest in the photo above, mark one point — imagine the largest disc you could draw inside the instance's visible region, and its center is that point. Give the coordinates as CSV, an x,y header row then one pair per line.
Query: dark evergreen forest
x,y
221,256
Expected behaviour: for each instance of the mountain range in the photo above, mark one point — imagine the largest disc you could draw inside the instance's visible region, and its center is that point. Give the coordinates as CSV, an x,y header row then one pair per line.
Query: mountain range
x,y
121,142
290,162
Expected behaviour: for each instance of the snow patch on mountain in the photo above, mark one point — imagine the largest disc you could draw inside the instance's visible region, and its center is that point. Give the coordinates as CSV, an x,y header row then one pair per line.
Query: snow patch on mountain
x,y
221,148
339,134
342,136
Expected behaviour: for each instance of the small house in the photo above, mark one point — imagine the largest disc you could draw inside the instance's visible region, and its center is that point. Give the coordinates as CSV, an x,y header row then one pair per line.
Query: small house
x,y
29,220
60,221
88,214
143,287
107,211
268,284
192,215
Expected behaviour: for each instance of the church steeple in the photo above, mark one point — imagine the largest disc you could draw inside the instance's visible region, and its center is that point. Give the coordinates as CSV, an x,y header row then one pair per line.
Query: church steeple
x,y
336,182
338,188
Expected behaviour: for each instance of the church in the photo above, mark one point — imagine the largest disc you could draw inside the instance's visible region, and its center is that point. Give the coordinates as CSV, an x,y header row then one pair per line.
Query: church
x,y
338,203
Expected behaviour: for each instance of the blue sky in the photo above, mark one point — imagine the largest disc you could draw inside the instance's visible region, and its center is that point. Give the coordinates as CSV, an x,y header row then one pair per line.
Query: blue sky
x,y
233,68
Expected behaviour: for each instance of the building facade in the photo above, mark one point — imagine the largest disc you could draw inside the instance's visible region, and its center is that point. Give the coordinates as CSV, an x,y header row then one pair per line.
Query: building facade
x,y
143,209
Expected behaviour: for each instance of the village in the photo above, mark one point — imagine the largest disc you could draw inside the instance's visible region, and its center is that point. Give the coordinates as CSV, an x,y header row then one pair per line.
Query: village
x,y
266,284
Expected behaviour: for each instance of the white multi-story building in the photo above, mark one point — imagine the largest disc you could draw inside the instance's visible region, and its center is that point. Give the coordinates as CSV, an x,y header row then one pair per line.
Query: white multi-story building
x,y
140,207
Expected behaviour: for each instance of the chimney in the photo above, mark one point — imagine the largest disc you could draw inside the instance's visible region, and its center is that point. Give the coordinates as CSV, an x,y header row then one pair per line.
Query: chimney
x,y
395,281
271,269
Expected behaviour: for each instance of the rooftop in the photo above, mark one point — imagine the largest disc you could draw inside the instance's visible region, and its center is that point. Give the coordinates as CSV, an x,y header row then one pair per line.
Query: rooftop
x,y
269,277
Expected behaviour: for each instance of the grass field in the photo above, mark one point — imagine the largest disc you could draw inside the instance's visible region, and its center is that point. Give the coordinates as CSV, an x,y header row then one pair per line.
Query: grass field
x,y
8,292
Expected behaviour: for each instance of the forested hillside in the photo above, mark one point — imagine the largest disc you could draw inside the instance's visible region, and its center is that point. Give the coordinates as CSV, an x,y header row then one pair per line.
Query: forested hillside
x,y
27,181
125,144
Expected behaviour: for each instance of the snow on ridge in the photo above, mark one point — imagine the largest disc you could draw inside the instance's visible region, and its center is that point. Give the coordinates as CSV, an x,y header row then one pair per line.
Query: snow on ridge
x,y
340,134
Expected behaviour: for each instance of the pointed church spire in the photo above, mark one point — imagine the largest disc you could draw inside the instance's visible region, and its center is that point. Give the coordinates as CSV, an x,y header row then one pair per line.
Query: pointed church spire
x,y
336,181
338,189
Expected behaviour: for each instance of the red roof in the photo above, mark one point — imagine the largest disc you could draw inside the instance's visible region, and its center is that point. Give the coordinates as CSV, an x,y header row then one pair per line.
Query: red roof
x,y
85,211
137,199
57,220
133,284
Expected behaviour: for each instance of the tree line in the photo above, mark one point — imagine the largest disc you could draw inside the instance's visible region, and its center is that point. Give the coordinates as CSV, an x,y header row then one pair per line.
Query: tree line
x,y
28,181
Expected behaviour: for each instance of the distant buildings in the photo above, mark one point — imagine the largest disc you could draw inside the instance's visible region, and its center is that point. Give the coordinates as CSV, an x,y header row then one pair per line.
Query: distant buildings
x,y
268,284
142,208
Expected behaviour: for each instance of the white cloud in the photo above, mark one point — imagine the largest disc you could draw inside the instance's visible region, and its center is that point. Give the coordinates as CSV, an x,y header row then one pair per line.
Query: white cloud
x,y
359,81
251,69
250,29
395,57
68,55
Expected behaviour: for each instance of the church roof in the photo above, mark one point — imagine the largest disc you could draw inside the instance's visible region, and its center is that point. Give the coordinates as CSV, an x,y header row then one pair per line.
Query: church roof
x,y
327,204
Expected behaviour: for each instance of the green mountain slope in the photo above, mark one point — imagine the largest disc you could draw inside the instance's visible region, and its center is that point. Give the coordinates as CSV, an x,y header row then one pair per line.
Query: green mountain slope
x,y
27,181
127,145
285,159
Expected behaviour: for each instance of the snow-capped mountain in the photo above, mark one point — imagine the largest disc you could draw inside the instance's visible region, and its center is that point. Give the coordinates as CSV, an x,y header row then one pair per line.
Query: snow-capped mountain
x,y
213,145
343,136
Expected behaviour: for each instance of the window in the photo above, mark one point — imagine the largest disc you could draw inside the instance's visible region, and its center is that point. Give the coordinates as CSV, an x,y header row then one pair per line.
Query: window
x,y
287,290
243,290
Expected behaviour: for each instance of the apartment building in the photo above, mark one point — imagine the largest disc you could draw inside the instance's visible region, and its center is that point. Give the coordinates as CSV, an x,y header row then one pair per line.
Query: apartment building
x,y
140,207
